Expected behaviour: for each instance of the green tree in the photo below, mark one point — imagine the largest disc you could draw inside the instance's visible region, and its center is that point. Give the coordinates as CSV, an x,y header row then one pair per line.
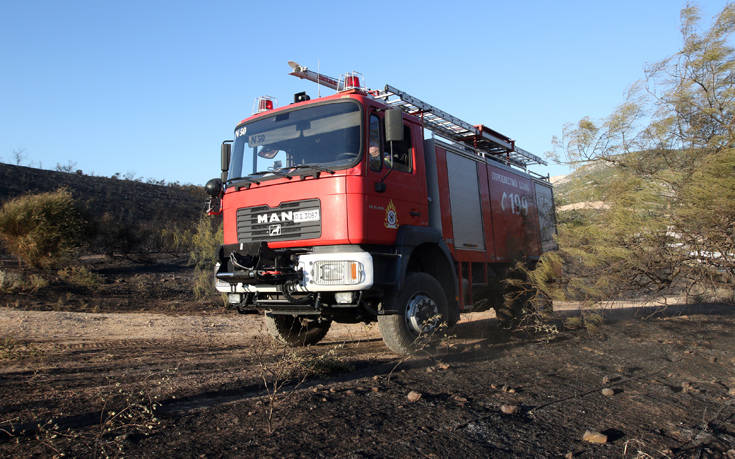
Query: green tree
x,y
668,223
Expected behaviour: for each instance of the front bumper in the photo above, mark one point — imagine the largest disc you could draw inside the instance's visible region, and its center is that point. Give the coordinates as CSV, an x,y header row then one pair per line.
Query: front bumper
x,y
339,271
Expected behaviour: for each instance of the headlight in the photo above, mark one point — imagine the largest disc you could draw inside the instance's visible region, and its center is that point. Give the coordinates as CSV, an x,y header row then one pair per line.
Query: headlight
x,y
338,272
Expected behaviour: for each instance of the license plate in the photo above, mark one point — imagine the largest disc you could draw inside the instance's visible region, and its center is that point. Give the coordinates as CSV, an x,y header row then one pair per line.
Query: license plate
x,y
306,216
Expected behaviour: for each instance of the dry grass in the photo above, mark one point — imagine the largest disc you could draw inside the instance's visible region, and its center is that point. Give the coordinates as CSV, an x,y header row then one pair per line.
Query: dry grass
x,y
44,229
80,276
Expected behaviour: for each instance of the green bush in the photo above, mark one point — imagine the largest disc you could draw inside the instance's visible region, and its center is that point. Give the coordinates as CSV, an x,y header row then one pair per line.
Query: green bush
x,y
42,229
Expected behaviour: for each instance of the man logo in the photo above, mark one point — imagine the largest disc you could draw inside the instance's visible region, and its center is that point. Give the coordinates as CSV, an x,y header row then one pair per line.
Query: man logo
x,y
274,230
274,217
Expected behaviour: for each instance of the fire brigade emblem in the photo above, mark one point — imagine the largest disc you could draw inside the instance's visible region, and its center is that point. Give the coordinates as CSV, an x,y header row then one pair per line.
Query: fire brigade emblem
x,y
391,216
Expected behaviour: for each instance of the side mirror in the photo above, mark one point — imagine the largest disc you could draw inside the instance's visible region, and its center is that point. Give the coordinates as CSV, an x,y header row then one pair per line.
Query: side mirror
x,y
225,152
394,125
213,187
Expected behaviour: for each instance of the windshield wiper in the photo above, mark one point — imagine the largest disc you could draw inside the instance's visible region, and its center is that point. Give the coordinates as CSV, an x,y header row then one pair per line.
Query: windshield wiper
x,y
274,172
313,166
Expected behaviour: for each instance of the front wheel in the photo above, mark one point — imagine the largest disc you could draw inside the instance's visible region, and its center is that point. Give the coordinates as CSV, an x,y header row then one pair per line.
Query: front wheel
x,y
296,331
422,312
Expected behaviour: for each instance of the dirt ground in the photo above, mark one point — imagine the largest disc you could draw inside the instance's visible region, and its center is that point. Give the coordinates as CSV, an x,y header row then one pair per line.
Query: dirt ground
x,y
154,384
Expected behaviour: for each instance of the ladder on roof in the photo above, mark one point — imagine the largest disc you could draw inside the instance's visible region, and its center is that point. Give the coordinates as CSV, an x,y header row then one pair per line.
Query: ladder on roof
x,y
483,140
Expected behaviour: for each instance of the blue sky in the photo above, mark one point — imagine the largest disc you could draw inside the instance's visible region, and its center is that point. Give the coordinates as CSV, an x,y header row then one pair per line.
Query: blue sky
x,y
152,88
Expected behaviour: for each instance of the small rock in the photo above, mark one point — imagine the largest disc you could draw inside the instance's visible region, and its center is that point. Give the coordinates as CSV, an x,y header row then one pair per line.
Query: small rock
x,y
376,377
493,386
332,390
594,437
569,455
315,389
459,399
731,391
509,409
375,389
712,359
703,438
349,392
413,396
508,389
442,366
605,380
324,399
607,392
429,369
360,389
686,387
730,454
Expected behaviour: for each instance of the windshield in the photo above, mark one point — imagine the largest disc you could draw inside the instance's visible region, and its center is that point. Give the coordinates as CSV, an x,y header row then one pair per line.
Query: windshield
x,y
326,136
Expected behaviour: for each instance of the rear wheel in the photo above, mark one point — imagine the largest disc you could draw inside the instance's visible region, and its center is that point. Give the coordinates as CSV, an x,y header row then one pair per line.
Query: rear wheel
x,y
296,331
422,311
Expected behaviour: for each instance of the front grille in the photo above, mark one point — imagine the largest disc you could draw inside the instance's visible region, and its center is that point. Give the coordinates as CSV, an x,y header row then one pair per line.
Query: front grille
x,y
263,223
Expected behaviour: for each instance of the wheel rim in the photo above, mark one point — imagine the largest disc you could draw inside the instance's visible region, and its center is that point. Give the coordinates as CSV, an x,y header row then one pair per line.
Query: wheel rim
x,y
422,314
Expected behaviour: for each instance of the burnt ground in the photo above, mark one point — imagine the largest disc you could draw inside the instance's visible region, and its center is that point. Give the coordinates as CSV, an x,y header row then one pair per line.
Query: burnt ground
x,y
160,381
153,282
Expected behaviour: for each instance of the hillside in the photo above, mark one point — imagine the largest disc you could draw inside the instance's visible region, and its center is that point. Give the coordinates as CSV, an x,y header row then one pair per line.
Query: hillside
x,y
126,201
580,186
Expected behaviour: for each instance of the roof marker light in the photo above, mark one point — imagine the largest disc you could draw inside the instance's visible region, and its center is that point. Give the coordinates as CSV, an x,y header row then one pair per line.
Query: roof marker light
x,y
264,103
350,80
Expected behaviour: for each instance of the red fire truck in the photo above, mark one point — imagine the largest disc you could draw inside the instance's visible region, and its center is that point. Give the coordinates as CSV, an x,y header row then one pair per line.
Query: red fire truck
x,y
339,209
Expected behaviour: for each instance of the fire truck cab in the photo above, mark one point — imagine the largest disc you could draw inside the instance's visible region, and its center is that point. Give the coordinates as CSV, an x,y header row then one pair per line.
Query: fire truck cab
x,y
338,209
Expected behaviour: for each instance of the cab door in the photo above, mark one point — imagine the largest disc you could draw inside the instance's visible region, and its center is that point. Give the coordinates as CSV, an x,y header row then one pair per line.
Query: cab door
x,y
401,199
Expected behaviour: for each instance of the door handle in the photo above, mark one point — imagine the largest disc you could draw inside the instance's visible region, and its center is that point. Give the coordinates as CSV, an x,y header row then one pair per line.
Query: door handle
x,y
414,213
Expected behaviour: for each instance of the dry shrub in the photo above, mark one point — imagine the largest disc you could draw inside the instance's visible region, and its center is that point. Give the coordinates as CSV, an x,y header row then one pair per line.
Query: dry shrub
x,y
42,229
79,276
589,320
527,296
14,282
205,242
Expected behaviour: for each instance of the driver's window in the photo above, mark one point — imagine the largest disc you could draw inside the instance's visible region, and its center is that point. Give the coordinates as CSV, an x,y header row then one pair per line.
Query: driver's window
x,y
374,156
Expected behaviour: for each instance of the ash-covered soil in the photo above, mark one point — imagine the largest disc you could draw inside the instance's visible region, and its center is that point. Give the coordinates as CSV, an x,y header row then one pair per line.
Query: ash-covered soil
x,y
154,384
156,282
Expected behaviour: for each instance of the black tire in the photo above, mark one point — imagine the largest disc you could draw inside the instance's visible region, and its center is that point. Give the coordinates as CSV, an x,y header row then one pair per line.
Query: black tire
x,y
423,295
296,331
